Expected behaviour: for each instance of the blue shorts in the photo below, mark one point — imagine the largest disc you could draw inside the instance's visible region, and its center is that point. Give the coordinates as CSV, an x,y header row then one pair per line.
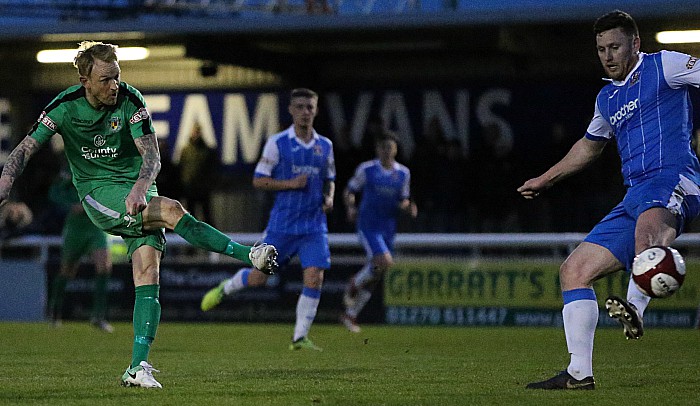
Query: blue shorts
x,y
616,231
376,242
312,249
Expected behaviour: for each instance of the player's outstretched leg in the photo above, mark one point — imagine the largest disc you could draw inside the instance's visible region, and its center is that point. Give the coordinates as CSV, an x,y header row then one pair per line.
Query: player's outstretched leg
x,y
564,380
202,235
625,313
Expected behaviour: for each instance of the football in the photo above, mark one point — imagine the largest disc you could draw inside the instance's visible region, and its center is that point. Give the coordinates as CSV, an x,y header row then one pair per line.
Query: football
x,y
658,271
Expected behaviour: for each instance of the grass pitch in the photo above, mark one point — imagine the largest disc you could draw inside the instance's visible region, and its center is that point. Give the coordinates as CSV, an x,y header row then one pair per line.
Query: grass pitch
x,y
250,364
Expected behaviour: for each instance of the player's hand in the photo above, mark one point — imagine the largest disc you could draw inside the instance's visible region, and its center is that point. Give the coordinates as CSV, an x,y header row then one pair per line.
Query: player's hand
x,y
299,182
135,202
327,204
532,188
18,214
409,207
412,210
351,214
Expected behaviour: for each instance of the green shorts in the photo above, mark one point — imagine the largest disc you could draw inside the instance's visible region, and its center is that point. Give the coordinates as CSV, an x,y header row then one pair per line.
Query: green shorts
x,y
106,208
80,237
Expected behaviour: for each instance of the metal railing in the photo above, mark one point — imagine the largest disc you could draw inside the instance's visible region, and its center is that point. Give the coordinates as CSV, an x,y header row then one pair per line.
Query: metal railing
x,y
459,245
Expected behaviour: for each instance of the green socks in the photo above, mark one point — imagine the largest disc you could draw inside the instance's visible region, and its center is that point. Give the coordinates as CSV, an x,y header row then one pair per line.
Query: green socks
x,y
58,291
238,251
99,297
146,319
204,236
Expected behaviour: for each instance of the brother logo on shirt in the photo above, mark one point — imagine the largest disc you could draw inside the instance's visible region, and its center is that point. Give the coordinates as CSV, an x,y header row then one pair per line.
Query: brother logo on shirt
x,y
624,111
309,170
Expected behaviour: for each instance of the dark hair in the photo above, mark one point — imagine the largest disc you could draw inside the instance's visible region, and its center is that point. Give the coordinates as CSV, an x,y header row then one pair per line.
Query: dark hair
x,y
386,135
616,19
91,50
303,92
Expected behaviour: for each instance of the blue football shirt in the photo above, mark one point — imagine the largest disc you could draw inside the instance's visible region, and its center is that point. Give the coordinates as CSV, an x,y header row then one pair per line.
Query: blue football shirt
x,y
285,156
382,191
649,114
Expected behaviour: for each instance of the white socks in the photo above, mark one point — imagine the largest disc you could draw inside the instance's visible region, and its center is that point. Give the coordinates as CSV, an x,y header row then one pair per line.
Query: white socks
x,y
363,296
580,319
306,311
365,274
637,298
237,281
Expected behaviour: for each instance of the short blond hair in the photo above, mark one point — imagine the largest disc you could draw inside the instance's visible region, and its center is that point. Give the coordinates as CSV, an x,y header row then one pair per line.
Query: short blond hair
x,y
88,51
303,92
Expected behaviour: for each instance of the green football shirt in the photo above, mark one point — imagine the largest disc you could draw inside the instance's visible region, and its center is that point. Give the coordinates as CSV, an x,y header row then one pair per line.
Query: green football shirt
x,y
99,144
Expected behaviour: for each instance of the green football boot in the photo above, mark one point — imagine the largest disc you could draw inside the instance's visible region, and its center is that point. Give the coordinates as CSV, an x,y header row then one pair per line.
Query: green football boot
x,y
304,344
212,298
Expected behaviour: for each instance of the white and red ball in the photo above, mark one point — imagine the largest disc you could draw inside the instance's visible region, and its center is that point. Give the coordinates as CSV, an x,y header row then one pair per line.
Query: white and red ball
x,y
658,271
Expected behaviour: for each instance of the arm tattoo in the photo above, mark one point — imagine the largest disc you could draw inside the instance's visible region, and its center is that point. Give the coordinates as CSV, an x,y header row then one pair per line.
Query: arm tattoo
x,y
148,148
19,157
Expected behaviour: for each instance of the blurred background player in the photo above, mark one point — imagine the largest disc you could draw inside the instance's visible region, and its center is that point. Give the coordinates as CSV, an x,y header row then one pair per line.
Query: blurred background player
x,y
385,188
646,109
198,167
80,237
112,151
298,165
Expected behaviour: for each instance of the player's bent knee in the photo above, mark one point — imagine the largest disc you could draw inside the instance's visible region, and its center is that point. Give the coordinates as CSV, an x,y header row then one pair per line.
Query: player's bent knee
x,y
163,212
576,274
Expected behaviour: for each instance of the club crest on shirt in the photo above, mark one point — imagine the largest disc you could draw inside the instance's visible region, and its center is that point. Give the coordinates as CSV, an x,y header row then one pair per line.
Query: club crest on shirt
x,y
635,78
318,150
115,124
691,62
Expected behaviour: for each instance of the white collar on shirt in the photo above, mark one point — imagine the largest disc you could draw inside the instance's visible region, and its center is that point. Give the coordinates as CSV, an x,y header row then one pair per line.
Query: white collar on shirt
x,y
293,134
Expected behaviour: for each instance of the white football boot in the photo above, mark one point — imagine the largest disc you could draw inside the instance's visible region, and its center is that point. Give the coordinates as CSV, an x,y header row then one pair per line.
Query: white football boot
x,y
264,258
141,375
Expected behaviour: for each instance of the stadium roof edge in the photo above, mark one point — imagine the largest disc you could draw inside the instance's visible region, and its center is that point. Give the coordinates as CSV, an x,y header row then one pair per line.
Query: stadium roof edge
x,y
472,14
